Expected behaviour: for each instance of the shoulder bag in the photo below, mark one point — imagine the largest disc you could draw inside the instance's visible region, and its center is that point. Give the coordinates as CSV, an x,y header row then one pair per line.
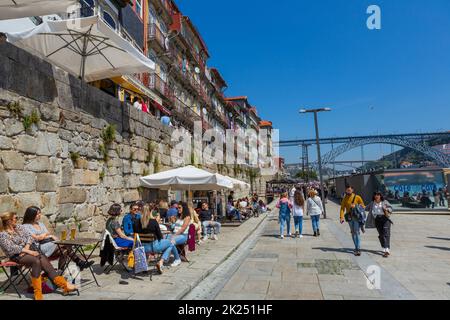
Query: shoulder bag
x,y
348,215
140,258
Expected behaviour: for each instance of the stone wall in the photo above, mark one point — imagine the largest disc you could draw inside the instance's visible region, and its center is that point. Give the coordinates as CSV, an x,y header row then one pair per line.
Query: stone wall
x,y
57,163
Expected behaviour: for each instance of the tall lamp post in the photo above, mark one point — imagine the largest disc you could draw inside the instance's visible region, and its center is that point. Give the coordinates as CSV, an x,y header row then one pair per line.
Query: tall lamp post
x,y
319,160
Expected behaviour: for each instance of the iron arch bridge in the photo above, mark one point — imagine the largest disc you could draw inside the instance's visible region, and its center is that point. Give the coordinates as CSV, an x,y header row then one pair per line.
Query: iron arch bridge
x,y
420,146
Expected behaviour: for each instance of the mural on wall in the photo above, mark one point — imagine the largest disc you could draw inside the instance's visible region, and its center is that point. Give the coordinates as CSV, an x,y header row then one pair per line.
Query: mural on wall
x,y
413,182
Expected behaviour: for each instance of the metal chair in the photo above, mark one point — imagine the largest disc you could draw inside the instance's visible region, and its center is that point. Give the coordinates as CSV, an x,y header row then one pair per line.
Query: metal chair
x,y
119,254
12,277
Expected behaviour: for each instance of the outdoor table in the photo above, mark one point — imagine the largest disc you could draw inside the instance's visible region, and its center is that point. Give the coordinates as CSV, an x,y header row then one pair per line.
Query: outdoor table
x,y
77,248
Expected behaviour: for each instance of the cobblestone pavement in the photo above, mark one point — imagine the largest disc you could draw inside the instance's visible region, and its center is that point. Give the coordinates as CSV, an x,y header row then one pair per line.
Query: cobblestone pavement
x,y
325,268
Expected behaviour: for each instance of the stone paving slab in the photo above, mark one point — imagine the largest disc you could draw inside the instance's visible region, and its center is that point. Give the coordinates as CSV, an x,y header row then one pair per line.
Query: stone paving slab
x,y
325,268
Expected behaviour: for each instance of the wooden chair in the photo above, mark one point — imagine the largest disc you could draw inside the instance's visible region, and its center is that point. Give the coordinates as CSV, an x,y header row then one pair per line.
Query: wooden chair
x,y
149,238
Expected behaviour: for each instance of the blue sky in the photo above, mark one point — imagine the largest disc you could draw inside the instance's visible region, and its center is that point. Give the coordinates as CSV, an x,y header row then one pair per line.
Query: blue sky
x,y
289,54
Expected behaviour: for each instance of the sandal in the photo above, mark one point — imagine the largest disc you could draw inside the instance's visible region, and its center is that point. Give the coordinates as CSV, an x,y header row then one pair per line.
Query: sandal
x,y
159,267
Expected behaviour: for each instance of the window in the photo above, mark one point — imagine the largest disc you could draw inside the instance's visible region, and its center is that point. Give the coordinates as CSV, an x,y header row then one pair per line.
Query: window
x,y
109,20
138,6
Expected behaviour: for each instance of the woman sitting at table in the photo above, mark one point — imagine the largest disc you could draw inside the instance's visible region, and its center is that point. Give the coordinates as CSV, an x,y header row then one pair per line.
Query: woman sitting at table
x,y
149,224
113,227
45,240
18,245
181,226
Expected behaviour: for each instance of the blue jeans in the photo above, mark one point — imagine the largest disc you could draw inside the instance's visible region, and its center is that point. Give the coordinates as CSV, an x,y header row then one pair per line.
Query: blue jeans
x,y
354,229
315,222
298,224
179,240
285,219
124,243
162,246
209,225
235,213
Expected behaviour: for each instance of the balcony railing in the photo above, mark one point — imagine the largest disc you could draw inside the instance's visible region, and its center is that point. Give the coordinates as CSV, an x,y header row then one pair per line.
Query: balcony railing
x,y
205,124
184,113
155,34
156,83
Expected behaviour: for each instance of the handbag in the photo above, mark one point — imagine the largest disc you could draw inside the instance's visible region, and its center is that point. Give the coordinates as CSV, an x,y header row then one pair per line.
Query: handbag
x,y
140,258
348,215
46,240
131,255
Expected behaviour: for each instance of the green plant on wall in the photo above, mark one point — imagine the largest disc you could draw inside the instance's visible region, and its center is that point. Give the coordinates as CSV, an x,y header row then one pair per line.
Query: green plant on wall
x,y
28,121
74,156
15,108
151,147
156,164
108,135
102,175
145,172
103,152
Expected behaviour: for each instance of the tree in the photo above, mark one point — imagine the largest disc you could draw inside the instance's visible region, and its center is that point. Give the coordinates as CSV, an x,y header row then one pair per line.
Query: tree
x,y
307,175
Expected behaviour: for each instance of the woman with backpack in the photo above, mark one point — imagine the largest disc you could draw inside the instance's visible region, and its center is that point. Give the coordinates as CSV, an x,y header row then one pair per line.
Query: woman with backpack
x,y
298,210
314,208
284,217
379,217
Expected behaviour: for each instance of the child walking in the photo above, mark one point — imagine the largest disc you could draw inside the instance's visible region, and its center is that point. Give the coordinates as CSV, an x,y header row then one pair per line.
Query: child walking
x,y
284,217
298,210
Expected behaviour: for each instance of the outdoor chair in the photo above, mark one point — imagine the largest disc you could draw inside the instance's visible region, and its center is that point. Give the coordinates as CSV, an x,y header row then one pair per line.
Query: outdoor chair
x,y
150,238
120,253
13,279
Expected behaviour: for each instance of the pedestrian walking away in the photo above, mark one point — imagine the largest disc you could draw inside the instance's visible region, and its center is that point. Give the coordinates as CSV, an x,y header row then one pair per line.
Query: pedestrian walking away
x,y
298,210
314,208
284,217
379,217
348,206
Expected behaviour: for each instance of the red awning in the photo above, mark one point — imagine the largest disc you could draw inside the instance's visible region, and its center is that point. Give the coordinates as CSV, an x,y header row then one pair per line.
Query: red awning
x,y
161,108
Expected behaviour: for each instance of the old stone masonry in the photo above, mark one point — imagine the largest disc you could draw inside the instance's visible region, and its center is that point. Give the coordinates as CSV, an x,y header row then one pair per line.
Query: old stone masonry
x,y
69,148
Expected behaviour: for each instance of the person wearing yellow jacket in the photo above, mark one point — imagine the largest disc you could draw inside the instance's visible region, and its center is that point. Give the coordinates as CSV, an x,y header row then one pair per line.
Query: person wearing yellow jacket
x,y
350,201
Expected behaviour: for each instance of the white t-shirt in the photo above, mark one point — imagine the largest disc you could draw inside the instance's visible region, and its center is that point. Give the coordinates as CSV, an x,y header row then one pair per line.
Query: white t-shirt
x,y
137,105
297,211
292,193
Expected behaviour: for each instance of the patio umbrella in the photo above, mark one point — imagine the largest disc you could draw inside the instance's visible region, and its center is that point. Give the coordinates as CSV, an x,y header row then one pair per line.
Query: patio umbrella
x,y
15,9
238,184
86,47
186,178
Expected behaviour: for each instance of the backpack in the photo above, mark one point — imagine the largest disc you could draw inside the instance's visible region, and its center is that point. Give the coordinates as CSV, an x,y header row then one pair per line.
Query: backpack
x,y
284,208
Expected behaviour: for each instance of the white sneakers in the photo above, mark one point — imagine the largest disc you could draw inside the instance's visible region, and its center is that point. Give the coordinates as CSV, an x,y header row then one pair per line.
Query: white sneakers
x,y
176,263
300,236
212,237
281,237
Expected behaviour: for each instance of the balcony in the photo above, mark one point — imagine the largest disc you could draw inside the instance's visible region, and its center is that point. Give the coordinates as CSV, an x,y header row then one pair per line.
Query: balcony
x,y
155,35
164,4
156,83
205,124
184,113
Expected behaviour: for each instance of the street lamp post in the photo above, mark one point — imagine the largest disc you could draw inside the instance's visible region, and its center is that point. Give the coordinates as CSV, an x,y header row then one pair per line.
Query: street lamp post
x,y
319,160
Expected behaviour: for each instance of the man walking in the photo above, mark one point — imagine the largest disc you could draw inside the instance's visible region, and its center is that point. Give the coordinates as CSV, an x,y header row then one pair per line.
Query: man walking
x,y
347,213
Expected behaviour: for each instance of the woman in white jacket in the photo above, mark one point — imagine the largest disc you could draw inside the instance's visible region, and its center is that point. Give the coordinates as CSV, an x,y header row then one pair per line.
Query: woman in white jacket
x,y
314,208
